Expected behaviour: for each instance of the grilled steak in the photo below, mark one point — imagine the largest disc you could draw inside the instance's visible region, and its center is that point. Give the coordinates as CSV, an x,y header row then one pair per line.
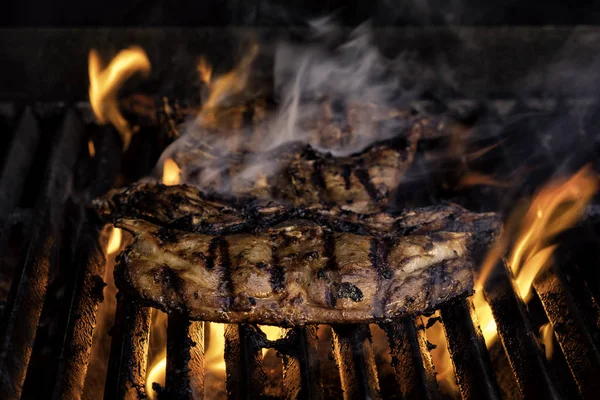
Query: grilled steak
x,y
297,174
186,208
247,260
295,272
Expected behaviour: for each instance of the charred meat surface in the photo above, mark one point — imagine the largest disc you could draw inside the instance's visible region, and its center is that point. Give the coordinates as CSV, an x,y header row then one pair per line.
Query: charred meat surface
x,y
186,208
292,273
247,260
299,175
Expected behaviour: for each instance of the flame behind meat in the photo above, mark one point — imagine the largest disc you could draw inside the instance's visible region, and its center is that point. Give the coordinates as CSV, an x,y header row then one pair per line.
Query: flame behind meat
x,y
106,82
556,207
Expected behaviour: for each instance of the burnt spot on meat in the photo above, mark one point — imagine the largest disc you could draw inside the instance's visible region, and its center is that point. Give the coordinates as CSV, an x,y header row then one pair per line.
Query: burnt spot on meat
x,y
311,256
252,300
172,285
316,176
346,174
347,290
321,274
261,265
195,295
166,235
277,279
212,252
365,180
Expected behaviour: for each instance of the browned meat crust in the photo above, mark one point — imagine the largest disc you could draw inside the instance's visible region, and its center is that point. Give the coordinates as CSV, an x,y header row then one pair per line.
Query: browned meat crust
x,y
296,272
186,208
298,175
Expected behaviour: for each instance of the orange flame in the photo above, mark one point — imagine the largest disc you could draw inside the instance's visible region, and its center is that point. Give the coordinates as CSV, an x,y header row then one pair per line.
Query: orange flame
x,y
91,148
225,86
214,356
556,207
156,374
105,84
114,241
547,338
441,357
171,173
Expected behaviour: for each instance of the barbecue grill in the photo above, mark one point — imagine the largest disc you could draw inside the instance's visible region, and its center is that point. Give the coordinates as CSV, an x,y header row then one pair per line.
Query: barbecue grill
x,y
53,250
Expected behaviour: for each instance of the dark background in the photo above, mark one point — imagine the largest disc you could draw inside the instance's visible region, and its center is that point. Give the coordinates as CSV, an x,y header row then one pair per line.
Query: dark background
x,y
281,12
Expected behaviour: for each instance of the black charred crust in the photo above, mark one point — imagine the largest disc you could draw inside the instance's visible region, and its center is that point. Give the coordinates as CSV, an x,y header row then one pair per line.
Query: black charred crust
x,y
261,265
167,235
277,279
347,290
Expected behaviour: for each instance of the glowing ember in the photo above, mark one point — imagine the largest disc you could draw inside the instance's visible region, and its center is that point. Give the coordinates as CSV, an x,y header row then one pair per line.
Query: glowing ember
x,y
91,148
105,84
546,337
114,241
171,173
556,207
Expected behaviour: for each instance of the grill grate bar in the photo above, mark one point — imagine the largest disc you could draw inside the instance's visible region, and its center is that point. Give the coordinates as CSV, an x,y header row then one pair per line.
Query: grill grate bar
x,y
77,343
243,362
128,351
185,359
520,342
472,365
411,359
301,370
18,163
20,321
570,330
356,362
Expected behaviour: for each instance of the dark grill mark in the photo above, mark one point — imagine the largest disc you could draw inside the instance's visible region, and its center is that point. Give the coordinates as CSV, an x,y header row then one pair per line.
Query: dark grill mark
x,y
346,174
226,286
316,176
167,235
212,252
379,256
364,178
277,279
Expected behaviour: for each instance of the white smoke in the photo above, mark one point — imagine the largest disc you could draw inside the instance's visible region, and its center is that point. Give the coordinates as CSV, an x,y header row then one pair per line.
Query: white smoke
x,y
328,70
